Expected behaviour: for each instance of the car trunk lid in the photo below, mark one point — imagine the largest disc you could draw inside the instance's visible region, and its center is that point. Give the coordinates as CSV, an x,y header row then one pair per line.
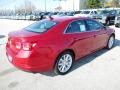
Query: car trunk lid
x,y
17,38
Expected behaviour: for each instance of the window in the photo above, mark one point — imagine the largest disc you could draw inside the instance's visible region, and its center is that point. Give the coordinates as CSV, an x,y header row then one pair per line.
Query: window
x,y
76,26
105,12
93,25
95,12
113,12
92,12
41,26
85,12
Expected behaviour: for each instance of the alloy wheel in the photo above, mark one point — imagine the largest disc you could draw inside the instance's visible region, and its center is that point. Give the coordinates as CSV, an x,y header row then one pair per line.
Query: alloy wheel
x,y
111,42
64,63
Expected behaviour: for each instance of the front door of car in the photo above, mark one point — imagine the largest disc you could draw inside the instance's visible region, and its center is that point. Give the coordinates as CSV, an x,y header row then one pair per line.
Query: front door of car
x,y
82,40
100,34
101,39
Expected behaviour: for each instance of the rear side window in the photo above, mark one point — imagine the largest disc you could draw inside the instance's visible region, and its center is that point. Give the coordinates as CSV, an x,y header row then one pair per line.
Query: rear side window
x,y
76,26
41,26
93,25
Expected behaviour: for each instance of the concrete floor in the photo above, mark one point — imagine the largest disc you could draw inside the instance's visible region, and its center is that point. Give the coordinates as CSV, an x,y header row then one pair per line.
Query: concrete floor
x,y
98,71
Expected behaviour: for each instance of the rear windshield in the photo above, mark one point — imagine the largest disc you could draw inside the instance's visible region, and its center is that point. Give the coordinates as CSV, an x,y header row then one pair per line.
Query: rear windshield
x,y
41,26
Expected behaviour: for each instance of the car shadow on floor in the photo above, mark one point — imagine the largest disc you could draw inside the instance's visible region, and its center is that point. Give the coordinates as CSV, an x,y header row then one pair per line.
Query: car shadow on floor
x,y
117,43
85,60
89,58
8,71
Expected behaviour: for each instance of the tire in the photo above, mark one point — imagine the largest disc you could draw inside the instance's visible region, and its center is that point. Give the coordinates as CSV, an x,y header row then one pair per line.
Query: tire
x,y
119,25
111,42
116,25
62,67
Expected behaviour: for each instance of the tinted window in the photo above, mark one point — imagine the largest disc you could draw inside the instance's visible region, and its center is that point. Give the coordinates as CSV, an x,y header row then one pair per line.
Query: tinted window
x,y
93,25
92,12
95,12
41,26
113,12
105,12
77,26
85,12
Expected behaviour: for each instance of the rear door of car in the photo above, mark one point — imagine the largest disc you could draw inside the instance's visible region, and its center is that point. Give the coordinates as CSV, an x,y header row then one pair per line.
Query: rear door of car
x,y
82,40
100,33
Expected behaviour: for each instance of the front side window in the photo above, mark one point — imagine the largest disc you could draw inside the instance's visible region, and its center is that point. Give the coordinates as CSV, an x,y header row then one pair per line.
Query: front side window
x,y
76,26
41,26
93,25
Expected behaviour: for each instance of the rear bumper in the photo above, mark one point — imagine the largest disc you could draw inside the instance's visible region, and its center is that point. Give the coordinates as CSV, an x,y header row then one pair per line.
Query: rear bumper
x,y
30,61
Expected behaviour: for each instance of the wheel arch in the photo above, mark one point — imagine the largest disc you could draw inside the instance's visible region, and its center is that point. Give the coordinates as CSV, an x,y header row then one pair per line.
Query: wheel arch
x,y
113,34
66,50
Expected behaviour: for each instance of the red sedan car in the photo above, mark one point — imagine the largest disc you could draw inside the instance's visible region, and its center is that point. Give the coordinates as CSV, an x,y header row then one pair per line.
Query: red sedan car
x,y
55,43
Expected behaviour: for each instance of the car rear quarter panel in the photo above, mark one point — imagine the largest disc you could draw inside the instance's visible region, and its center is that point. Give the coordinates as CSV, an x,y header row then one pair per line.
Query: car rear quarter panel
x,y
53,43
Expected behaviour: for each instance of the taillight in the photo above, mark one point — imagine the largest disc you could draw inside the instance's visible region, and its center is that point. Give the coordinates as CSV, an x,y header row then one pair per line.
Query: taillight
x,y
25,46
28,46
18,45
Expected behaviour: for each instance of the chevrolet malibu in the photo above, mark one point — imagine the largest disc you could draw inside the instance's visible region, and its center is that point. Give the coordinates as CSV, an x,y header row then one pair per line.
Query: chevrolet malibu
x,y
56,43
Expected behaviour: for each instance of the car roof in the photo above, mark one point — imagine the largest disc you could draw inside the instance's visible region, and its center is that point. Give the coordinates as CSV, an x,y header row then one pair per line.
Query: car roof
x,y
67,18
